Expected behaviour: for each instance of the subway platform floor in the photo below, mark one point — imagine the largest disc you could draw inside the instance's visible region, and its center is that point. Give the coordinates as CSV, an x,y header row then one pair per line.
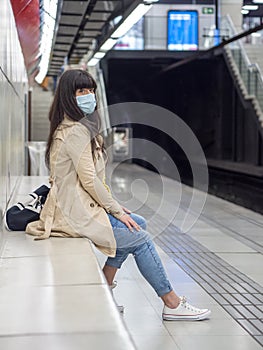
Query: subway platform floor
x,y
216,263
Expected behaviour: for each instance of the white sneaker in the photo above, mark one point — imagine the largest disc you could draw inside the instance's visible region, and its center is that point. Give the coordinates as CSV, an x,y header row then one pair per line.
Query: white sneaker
x,y
113,285
185,311
119,307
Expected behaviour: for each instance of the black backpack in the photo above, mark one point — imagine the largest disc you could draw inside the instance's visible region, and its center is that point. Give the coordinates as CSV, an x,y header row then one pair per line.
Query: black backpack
x,y
19,215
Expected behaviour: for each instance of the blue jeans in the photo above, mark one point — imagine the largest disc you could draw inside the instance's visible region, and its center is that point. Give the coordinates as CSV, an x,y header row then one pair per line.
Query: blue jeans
x,y
141,246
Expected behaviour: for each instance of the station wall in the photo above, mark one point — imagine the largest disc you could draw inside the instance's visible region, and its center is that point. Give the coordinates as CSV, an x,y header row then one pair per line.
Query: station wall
x,y
156,24
13,96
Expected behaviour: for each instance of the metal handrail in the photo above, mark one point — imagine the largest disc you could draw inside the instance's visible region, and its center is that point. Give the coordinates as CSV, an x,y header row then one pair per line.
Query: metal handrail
x,y
211,50
238,42
259,70
250,73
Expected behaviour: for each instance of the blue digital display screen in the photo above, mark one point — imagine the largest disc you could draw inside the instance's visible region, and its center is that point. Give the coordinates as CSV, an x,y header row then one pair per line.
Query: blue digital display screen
x,y
182,30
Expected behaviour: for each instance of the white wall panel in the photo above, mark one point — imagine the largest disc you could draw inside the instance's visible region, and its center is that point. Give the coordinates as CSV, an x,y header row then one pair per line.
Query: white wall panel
x,y
155,23
232,8
13,89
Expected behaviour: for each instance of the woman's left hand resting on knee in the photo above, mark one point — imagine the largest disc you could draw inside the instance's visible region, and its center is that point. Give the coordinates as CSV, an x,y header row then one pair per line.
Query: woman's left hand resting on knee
x,y
128,221
126,210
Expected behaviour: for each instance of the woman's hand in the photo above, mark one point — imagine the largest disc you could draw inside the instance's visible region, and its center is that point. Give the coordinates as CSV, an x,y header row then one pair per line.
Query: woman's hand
x,y
129,222
126,210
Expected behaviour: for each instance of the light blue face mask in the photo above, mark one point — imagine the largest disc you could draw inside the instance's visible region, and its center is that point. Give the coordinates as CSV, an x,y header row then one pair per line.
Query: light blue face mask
x,y
87,103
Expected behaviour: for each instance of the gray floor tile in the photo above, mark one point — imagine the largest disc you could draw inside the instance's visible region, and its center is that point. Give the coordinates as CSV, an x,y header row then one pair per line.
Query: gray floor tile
x,y
80,341
218,253
249,327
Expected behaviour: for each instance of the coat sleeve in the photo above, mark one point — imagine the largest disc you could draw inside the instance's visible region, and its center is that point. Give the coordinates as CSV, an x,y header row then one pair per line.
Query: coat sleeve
x,y
78,147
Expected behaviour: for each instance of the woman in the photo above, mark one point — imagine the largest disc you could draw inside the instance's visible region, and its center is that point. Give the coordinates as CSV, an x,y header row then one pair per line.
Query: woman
x,y
80,203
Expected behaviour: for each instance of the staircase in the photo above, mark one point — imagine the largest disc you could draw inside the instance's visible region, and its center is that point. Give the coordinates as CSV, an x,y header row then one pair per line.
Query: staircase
x,y
247,74
41,102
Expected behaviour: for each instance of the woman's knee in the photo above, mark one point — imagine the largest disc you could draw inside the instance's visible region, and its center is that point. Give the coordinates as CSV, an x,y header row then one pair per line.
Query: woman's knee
x,y
118,260
140,220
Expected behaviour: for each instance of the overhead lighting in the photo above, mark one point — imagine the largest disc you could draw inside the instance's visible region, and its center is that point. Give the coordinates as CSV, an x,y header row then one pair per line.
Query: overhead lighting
x,y
108,45
258,1
133,18
93,62
123,28
116,20
99,55
257,35
244,12
49,20
250,7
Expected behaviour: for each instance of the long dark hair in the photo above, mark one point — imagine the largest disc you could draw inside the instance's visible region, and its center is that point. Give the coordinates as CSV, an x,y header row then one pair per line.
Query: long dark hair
x,y
65,103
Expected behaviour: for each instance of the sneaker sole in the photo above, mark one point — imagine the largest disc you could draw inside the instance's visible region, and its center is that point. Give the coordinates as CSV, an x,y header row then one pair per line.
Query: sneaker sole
x,y
187,318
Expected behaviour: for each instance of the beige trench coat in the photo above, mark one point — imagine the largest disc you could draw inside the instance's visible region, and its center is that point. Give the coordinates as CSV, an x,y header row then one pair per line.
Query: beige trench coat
x,y
78,201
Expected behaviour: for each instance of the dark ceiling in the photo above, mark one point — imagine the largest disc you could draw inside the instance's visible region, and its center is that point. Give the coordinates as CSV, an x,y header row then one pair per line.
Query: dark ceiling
x,y
78,24
84,25
256,13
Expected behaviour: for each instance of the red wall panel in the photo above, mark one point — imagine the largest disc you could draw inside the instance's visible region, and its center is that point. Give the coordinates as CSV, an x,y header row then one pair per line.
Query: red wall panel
x,y
27,19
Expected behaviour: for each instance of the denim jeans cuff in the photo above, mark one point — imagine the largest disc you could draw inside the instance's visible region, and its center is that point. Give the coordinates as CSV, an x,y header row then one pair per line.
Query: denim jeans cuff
x,y
115,264
163,291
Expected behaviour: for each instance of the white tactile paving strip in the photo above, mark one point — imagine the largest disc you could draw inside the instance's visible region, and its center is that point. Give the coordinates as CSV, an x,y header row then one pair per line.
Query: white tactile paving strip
x,y
240,296
223,252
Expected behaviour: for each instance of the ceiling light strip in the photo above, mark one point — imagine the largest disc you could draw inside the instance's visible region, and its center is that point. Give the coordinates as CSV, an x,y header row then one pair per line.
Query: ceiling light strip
x,y
49,20
122,29
250,7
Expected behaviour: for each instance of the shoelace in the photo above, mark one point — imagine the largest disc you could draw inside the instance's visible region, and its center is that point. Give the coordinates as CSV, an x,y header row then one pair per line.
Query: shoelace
x,y
185,304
